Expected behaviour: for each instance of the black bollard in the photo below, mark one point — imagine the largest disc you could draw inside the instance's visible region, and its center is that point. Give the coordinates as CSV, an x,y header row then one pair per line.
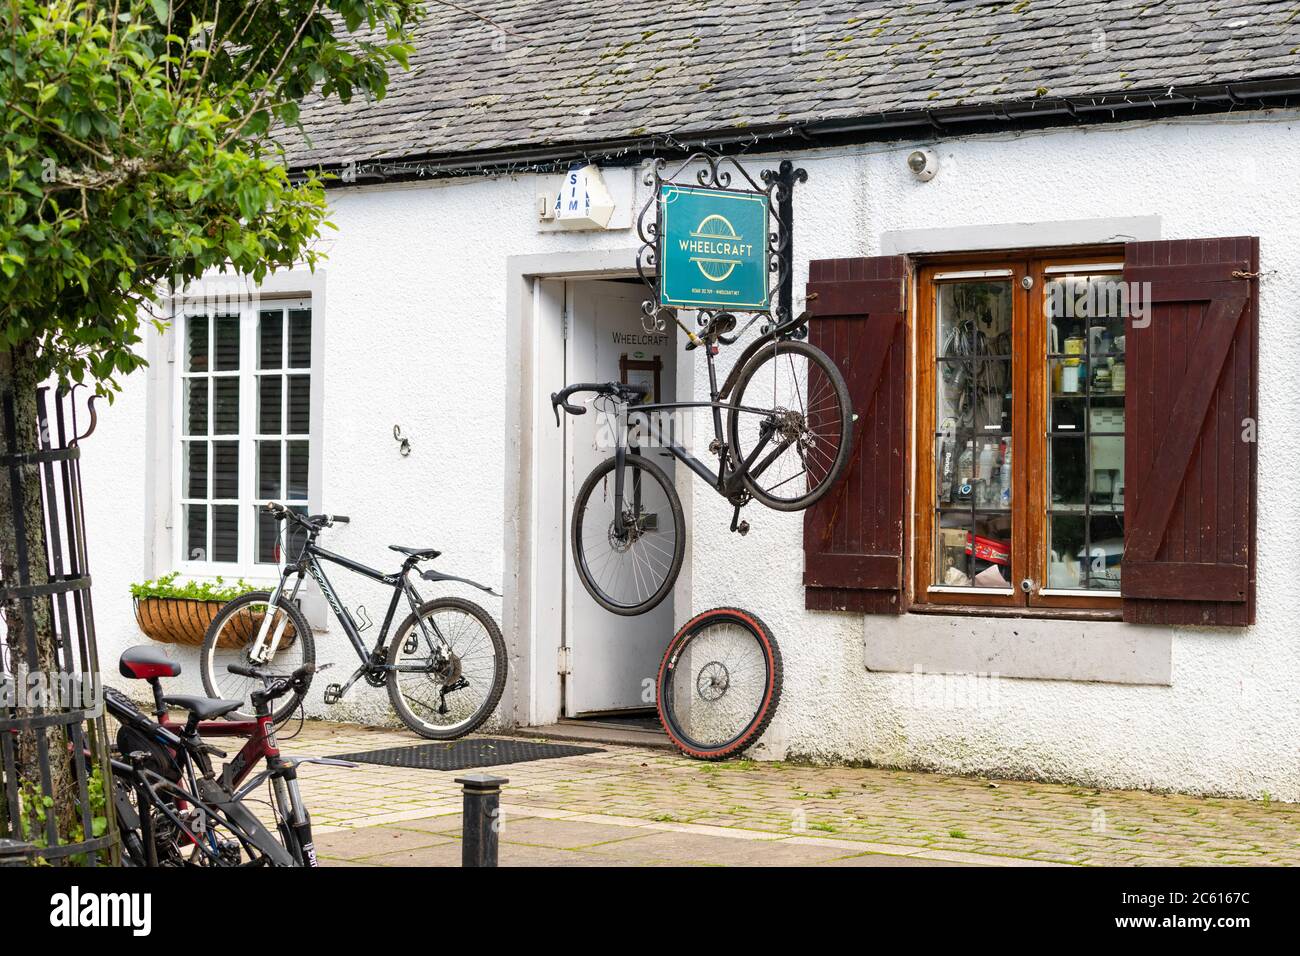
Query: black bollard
x,y
480,818
13,853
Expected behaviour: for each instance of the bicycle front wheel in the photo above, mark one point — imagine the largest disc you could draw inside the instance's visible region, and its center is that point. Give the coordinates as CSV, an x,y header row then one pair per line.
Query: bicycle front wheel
x,y
791,413
628,557
231,637
719,683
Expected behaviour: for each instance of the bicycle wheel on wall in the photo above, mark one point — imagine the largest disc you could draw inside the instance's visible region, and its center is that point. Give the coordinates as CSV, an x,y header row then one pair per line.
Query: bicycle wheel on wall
x,y
719,683
628,571
791,404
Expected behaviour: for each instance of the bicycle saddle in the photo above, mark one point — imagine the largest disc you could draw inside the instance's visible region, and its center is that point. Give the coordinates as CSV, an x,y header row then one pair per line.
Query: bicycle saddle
x,y
415,552
203,708
145,663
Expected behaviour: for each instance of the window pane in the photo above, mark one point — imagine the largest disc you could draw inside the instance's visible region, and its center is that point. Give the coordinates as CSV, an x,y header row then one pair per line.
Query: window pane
x,y
196,532
196,469
268,470
268,404
299,405
226,345
1064,548
196,406
225,406
196,346
973,411
297,471
267,528
270,327
300,338
225,469
982,559
1105,550
225,532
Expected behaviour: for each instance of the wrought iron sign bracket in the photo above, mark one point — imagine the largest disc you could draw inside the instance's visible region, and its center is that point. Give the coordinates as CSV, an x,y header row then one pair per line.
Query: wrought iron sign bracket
x,y
719,173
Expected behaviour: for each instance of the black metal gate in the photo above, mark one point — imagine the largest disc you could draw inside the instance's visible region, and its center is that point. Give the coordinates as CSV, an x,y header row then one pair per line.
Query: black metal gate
x,y
65,717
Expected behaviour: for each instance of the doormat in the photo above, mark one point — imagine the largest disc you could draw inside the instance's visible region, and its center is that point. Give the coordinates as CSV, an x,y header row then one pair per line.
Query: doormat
x,y
466,754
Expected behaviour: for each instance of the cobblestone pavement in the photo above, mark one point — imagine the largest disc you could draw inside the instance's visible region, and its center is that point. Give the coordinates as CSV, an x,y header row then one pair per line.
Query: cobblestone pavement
x,y
630,806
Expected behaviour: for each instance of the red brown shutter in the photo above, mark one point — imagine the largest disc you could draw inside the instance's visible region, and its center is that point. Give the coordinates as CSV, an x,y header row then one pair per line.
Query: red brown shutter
x,y
1189,459
853,537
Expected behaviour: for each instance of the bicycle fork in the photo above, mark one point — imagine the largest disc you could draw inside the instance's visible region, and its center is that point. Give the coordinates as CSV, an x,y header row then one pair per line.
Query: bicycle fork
x,y
262,651
295,821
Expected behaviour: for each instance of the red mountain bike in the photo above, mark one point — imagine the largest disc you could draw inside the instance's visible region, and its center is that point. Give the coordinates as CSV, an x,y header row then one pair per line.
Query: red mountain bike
x,y
173,808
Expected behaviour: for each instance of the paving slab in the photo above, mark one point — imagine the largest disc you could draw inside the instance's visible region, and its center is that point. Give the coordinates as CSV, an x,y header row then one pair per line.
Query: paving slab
x,y
638,806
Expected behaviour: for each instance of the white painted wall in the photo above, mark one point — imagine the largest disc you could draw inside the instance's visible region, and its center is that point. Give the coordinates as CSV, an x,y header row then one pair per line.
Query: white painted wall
x,y
415,335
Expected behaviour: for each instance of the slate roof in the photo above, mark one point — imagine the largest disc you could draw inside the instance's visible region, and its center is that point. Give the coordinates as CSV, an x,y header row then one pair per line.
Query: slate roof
x,y
577,71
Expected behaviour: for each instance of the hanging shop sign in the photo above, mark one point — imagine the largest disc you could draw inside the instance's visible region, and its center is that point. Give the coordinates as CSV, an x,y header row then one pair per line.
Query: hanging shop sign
x,y
718,243
714,248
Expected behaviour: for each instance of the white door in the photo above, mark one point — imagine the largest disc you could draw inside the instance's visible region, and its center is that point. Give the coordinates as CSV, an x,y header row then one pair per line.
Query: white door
x,y
613,660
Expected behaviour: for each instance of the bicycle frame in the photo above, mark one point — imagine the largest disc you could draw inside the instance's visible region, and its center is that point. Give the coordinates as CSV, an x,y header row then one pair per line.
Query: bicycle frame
x,y
373,665
728,482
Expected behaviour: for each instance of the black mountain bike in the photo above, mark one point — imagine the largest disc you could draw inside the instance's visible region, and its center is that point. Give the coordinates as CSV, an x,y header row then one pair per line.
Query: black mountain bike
x,y
445,667
787,439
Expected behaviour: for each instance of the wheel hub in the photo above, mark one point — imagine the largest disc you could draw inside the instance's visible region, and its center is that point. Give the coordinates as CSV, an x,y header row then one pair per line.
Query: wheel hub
x,y
791,426
712,681
622,543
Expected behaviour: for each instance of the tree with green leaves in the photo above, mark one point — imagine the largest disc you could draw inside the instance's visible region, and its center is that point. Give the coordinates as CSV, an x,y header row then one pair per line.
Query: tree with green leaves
x,y
142,149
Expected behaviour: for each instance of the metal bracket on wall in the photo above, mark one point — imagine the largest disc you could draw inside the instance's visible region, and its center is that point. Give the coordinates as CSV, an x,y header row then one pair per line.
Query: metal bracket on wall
x,y
403,443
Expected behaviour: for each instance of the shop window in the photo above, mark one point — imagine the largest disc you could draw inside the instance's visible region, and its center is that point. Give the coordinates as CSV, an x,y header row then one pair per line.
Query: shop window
x,y
1023,418
1038,432
245,433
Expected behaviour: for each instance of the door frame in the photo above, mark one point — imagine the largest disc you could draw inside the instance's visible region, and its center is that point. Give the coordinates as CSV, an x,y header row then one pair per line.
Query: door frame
x,y
531,614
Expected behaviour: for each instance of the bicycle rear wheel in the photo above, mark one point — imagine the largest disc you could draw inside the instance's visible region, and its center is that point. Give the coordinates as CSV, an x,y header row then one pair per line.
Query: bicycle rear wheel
x,y
443,697
791,410
719,683
628,571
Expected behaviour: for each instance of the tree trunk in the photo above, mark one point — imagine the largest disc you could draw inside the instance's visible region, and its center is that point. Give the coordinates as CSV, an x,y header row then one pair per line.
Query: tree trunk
x,y
18,378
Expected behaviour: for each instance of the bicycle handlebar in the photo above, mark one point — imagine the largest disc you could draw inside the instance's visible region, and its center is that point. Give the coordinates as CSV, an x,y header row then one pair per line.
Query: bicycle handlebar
x,y
618,390
310,522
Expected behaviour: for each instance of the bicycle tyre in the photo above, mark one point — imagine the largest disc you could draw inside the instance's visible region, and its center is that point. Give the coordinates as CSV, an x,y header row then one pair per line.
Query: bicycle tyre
x,y
670,671
580,561
839,392
484,711
212,682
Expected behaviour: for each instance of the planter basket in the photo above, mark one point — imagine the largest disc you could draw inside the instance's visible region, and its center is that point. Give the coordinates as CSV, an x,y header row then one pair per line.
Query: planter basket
x,y
181,621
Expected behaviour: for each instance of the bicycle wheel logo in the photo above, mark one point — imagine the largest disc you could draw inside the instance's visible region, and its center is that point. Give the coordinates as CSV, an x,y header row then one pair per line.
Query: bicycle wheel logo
x,y
719,238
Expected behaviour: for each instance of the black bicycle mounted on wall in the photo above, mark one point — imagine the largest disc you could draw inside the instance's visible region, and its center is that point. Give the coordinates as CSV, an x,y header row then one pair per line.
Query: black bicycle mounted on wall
x,y
787,435
445,667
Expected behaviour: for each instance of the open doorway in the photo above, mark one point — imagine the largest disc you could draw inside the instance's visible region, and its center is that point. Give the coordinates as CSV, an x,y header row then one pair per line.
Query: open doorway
x,y
610,661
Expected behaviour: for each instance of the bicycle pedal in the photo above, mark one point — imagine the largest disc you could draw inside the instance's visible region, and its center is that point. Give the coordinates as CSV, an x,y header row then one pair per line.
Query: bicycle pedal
x,y
333,694
742,529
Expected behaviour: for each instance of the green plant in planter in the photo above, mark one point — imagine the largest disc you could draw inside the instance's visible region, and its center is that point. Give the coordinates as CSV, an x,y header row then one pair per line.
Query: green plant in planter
x,y
166,586
179,612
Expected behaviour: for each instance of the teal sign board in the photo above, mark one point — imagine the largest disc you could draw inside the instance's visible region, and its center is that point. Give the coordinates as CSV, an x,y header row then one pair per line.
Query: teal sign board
x,y
714,253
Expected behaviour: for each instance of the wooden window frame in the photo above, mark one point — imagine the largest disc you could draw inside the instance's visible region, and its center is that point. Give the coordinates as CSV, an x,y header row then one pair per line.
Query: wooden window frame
x,y
1028,437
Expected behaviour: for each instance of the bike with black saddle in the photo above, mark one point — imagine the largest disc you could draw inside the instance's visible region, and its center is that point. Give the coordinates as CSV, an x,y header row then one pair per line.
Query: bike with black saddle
x,y
444,667
787,438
